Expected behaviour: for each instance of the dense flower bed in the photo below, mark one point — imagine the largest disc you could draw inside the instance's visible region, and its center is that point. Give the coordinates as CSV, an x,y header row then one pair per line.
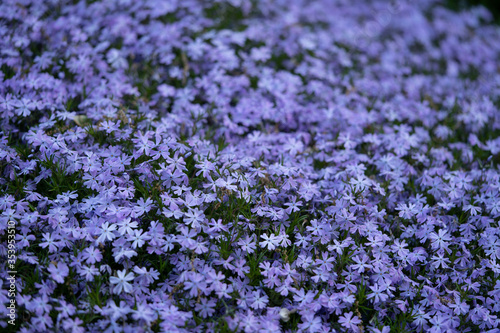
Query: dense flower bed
x,y
238,166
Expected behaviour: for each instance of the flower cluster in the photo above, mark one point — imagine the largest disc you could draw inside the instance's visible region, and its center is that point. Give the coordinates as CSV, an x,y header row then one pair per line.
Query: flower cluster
x,y
250,166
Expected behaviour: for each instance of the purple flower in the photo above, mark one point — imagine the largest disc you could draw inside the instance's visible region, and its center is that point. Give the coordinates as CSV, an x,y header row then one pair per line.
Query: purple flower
x,y
58,271
92,255
196,282
377,294
349,321
107,232
271,242
138,238
259,301
144,312
205,308
121,281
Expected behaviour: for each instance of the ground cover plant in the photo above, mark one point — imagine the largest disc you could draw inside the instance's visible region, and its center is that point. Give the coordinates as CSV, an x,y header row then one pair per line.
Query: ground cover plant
x,y
249,166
